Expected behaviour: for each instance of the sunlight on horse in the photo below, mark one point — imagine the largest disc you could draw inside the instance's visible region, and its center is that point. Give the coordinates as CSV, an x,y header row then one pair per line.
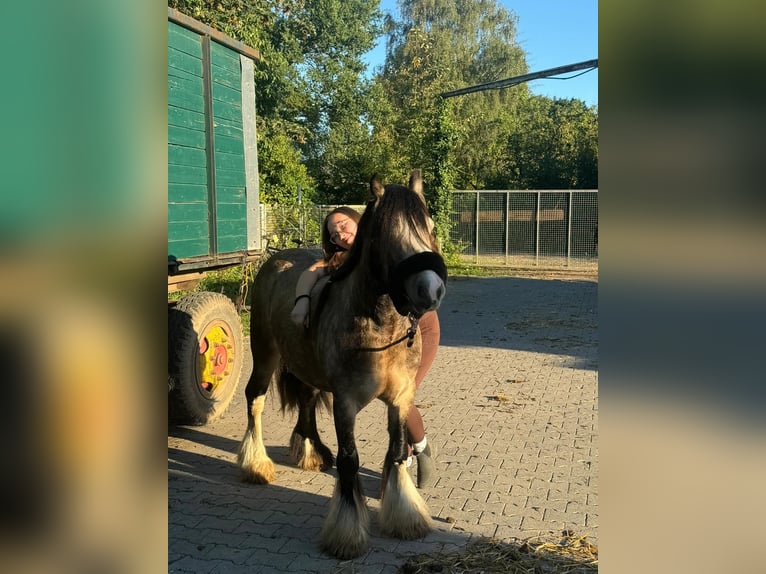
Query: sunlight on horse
x,y
362,344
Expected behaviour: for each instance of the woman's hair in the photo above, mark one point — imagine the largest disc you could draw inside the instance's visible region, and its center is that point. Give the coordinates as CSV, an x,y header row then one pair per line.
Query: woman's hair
x,y
334,254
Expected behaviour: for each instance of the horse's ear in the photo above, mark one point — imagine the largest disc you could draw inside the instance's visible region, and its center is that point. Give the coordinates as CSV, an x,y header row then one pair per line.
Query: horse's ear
x,y
376,187
416,181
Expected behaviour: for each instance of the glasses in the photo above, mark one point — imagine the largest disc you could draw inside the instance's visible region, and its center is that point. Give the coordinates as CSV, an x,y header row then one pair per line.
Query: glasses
x,y
340,227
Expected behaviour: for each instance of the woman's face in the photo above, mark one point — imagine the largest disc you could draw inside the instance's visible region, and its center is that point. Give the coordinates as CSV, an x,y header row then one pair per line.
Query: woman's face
x,y
342,230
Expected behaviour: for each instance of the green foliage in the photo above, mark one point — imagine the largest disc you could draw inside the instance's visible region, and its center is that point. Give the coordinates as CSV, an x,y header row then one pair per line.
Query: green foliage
x,y
227,282
280,183
553,146
326,128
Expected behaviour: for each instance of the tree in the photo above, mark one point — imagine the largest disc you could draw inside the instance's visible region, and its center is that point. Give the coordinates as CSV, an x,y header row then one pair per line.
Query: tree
x,y
554,145
440,45
308,81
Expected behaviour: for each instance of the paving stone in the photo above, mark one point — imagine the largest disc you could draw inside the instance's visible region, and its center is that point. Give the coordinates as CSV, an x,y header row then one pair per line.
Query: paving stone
x,y
512,469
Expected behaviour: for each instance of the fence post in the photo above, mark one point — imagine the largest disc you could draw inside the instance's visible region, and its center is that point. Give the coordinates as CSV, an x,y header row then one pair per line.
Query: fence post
x,y
569,227
507,222
537,230
477,227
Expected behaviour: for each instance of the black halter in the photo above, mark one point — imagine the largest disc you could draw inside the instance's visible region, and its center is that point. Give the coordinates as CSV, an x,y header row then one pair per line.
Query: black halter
x,y
426,261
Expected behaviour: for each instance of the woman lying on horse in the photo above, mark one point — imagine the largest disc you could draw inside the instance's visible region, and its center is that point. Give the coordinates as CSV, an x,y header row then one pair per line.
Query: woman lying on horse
x,y
338,234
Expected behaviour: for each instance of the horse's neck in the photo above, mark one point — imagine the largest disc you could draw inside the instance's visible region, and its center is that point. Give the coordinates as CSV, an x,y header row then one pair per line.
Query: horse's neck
x,y
365,298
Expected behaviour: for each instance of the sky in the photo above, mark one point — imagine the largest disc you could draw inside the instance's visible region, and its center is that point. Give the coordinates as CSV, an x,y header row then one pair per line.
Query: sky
x,y
553,33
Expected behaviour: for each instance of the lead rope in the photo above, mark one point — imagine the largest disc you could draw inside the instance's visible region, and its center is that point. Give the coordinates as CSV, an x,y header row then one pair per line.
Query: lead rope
x,y
409,335
412,330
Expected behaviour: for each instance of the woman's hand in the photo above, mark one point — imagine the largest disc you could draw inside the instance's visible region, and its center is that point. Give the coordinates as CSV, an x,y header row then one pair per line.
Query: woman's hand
x,y
300,313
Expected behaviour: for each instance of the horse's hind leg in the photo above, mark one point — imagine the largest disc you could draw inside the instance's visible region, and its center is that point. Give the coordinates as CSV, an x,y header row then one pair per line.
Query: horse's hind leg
x,y
345,533
305,445
403,513
255,465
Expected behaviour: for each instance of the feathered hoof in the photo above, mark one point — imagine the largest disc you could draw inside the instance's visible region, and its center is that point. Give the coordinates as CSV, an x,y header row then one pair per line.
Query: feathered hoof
x,y
344,545
254,464
306,455
261,473
403,513
345,532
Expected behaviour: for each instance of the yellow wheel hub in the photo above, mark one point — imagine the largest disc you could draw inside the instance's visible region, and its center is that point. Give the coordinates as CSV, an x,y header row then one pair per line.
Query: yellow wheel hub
x,y
216,356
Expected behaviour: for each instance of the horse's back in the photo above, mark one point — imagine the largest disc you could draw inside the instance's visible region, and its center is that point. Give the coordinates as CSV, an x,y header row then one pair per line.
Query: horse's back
x,y
274,285
273,299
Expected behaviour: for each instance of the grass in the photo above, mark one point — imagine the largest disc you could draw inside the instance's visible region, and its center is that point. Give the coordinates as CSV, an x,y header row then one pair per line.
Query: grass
x,y
227,282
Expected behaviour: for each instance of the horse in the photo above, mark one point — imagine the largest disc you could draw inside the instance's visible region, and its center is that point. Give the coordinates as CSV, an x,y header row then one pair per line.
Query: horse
x,y
362,344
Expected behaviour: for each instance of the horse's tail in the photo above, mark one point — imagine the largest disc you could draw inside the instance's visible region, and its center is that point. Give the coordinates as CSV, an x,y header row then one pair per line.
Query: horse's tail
x,y
292,390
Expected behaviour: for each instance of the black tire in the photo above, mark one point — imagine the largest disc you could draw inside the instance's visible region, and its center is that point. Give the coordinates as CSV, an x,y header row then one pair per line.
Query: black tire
x,y
205,357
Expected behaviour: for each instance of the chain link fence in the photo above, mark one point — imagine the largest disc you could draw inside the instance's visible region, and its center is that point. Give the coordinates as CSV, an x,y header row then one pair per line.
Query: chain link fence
x,y
520,229
526,228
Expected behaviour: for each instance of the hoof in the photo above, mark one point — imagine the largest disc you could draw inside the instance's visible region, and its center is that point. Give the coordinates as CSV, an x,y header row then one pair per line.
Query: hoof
x,y
308,455
403,513
345,532
264,473
254,464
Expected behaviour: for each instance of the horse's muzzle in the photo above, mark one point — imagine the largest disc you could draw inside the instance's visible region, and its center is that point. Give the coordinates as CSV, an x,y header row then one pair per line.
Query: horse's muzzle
x,y
418,283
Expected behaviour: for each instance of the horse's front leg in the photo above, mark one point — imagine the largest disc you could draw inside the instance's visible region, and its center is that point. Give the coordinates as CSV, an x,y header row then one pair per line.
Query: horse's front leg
x,y
403,513
345,533
255,465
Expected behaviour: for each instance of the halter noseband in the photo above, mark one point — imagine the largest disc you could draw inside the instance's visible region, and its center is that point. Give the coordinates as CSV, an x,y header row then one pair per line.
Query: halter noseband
x,y
426,261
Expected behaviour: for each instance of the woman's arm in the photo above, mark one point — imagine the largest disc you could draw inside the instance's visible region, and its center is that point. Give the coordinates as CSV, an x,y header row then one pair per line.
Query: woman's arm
x,y
306,282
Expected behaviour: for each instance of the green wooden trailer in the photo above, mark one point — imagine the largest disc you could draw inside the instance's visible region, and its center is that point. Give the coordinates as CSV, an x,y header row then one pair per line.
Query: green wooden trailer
x,y
213,211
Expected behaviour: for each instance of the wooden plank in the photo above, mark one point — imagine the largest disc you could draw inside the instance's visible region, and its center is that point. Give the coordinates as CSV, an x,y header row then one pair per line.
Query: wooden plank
x,y
228,144
229,178
186,137
184,40
226,77
227,95
184,62
226,194
230,161
226,110
232,212
187,212
232,228
186,118
187,174
229,244
186,193
185,281
187,230
192,24
230,128
186,99
183,248
183,75
182,155
224,57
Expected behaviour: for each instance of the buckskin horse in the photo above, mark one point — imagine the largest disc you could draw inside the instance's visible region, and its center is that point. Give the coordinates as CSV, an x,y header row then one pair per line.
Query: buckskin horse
x,y
362,344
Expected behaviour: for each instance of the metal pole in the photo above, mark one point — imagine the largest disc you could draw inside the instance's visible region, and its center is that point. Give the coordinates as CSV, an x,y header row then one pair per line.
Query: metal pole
x,y
569,228
507,222
477,227
537,231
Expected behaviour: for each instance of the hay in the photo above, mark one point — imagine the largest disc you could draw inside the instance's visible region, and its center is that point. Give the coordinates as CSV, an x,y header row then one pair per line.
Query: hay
x,y
570,555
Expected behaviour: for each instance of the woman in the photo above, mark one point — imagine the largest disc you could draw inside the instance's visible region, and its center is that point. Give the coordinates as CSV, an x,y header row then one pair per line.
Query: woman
x,y
338,234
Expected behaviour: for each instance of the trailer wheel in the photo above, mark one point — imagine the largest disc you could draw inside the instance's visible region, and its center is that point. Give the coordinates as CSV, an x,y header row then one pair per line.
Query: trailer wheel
x,y
205,346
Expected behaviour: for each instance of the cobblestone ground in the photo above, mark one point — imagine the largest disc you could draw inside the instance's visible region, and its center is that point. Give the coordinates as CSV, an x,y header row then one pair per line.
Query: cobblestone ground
x,y
511,403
